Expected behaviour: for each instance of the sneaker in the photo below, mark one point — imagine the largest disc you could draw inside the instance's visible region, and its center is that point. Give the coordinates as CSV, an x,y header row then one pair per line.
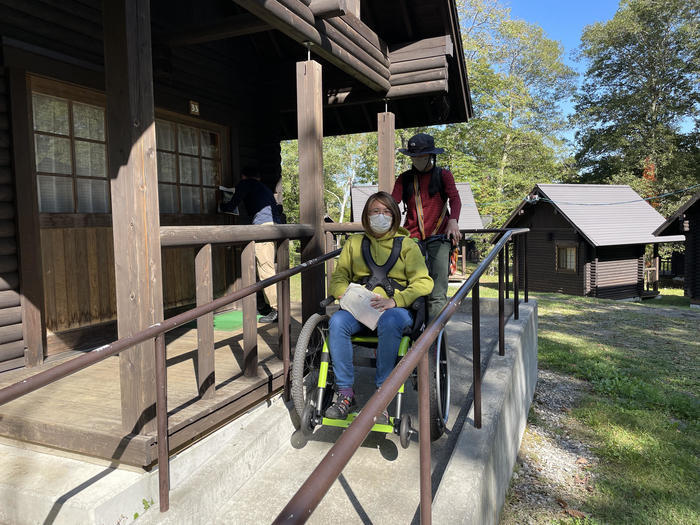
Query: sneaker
x,y
269,318
341,408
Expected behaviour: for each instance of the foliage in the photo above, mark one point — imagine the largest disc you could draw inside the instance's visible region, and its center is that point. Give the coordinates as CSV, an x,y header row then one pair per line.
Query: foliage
x,y
640,98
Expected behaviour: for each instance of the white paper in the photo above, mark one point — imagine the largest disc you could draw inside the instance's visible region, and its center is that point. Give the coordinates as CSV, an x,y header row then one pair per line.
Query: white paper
x,y
356,301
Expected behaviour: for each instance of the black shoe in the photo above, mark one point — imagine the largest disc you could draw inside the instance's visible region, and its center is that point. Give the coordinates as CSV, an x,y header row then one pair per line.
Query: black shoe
x,y
341,408
269,318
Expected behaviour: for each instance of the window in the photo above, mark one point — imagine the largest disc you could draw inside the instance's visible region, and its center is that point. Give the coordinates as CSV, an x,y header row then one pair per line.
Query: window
x,y
566,258
70,150
70,155
189,167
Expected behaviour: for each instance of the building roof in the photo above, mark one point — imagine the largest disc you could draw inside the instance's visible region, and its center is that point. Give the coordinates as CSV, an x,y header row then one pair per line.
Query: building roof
x,y
469,218
604,214
671,224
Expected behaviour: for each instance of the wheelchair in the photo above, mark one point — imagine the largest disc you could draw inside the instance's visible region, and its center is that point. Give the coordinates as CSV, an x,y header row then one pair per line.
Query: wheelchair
x,y
313,384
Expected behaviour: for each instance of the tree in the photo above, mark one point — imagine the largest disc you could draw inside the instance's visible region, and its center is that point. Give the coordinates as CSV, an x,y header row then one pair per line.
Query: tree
x,y
641,96
518,79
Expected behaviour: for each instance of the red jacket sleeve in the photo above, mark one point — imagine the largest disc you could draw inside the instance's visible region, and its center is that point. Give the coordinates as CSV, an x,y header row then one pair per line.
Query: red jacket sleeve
x,y
397,192
455,202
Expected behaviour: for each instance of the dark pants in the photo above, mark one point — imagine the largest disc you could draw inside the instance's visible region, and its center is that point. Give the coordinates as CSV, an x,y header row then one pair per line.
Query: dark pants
x,y
439,268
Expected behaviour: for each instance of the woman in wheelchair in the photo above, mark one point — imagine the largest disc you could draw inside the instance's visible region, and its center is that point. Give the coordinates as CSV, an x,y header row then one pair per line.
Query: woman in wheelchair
x,y
406,280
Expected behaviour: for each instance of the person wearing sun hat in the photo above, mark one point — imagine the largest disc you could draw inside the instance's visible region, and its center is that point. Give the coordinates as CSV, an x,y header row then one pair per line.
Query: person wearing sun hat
x,y
432,206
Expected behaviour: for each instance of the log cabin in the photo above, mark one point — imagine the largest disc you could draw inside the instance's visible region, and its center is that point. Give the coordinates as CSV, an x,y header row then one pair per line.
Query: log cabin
x,y
685,221
587,239
118,122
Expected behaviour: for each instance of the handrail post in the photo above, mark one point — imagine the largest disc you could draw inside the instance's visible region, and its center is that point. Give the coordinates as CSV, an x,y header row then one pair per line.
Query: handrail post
x,y
204,291
284,309
524,255
476,354
162,424
424,438
250,323
330,263
516,278
507,251
501,308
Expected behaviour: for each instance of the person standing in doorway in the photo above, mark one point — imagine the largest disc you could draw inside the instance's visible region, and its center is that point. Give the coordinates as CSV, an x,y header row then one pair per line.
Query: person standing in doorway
x,y
261,208
432,206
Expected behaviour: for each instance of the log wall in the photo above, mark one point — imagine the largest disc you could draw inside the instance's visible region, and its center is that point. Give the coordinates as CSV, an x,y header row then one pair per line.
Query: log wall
x,y
11,339
692,254
619,272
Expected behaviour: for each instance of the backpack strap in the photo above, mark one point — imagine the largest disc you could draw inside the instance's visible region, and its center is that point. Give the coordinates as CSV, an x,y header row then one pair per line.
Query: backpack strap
x,y
379,275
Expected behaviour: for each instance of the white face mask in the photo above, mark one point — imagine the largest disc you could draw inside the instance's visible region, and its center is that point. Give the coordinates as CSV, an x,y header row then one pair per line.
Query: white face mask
x,y
423,164
380,224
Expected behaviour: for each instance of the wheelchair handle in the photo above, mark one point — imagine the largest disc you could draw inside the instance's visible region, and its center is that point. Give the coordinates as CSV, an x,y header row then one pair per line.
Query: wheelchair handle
x,y
325,304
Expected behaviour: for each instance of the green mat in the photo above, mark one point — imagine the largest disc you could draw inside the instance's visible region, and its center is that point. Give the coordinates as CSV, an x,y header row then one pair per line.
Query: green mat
x,y
229,321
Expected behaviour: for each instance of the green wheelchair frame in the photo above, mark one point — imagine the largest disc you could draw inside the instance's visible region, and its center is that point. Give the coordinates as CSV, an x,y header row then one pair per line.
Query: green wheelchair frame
x,y
312,373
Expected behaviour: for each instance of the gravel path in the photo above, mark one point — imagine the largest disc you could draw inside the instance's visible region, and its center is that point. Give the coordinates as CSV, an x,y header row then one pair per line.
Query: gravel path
x,y
551,478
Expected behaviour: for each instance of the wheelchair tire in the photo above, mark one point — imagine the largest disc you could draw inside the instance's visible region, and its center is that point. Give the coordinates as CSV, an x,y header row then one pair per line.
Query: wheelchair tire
x,y
405,431
439,371
307,426
307,360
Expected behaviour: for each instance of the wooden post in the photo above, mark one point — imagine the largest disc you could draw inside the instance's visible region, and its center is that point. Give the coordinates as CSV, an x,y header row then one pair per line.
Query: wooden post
x,y
205,324
284,333
29,233
330,263
135,212
656,267
250,320
386,127
310,133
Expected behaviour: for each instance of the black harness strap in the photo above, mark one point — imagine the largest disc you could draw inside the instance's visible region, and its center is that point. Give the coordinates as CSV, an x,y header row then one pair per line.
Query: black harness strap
x,y
379,275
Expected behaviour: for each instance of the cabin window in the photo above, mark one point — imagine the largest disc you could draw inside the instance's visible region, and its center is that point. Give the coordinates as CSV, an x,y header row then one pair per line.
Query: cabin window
x,y
566,258
189,167
70,154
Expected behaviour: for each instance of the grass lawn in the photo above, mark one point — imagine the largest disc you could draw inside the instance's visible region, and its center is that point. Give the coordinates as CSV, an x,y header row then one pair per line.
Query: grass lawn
x,y
641,417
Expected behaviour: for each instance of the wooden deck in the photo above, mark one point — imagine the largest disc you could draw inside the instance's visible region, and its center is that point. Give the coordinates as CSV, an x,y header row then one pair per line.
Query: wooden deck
x,y
82,413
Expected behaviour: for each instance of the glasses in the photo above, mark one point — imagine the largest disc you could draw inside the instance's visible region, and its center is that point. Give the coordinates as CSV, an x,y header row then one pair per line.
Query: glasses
x,y
380,211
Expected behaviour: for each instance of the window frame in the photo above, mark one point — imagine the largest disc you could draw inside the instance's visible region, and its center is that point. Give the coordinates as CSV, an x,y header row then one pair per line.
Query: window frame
x,y
76,93
565,246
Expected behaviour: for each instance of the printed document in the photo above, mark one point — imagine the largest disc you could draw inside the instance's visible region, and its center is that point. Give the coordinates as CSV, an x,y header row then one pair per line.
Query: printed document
x,y
356,301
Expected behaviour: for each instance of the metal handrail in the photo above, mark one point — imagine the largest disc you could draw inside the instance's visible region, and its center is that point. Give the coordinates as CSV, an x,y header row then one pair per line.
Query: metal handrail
x,y
312,491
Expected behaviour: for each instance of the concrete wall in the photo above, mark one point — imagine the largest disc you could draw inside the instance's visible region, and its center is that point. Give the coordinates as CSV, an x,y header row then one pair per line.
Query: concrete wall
x,y
474,485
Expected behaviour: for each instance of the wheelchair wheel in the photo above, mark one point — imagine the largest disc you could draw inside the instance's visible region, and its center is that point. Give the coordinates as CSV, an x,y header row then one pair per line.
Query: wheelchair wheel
x,y
405,431
439,387
307,360
307,415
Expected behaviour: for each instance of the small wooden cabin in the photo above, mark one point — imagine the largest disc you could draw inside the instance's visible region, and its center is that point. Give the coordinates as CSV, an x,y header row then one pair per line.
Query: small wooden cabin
x,y
686,222
587,239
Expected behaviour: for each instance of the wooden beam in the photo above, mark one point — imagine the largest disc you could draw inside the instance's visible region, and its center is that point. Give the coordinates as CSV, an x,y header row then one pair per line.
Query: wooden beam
x,y
420,64
135,212
291,17
428,47
204,291
28,230
245,24
310,133
386,127
334,8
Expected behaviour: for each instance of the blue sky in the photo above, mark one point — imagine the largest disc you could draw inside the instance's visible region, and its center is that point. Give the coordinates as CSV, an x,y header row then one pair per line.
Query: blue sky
x,y
563,20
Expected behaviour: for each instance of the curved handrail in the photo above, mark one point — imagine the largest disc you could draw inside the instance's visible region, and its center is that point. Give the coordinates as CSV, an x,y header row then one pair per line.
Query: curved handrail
x,y
312,491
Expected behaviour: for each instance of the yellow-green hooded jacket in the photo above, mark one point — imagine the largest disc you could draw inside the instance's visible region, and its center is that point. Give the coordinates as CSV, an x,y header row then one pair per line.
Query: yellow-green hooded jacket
x,y
409,271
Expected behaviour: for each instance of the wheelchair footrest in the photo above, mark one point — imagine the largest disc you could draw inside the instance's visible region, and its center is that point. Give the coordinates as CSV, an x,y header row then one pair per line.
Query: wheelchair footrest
x,y
345,423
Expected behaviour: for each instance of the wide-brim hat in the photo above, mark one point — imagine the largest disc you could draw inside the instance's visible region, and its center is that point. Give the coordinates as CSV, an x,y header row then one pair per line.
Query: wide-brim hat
x,y
421,144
